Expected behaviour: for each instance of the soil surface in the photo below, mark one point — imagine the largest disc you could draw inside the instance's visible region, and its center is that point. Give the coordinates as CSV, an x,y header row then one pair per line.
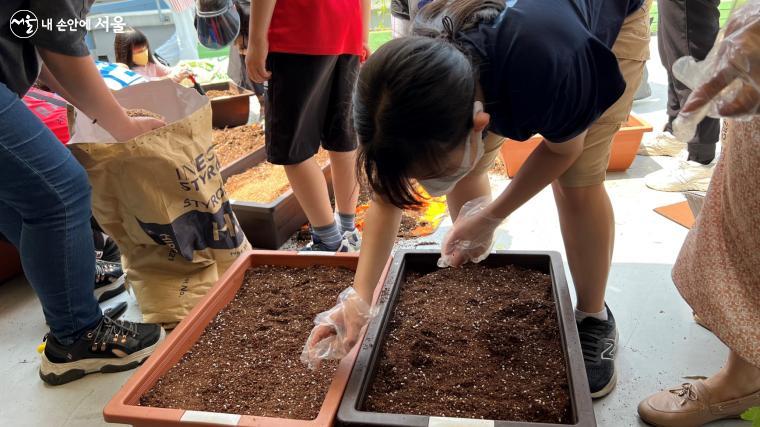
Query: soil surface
x,y
264,182
474,342
247,360
139,112
231,144
220,93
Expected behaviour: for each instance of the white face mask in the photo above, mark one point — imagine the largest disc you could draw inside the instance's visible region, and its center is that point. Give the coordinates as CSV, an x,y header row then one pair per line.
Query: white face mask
x,y
441,186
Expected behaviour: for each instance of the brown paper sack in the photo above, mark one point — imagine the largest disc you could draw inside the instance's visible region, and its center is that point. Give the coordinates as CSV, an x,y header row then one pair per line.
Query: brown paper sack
x,y
160,197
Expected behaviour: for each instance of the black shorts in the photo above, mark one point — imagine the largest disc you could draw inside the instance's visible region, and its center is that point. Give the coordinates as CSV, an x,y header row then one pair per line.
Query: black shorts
x,y
309,104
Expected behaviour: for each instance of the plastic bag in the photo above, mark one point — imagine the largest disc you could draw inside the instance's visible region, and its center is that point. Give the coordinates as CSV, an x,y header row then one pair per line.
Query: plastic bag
x,y
727,82
478,244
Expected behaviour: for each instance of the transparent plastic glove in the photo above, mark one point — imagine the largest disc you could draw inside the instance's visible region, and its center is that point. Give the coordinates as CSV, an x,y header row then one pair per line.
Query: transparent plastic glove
x,y
336,330
179,74
471,237
727,82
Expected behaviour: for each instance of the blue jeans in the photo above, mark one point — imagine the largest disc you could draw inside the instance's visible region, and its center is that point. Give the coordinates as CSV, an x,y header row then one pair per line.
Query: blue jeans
x,y
45,213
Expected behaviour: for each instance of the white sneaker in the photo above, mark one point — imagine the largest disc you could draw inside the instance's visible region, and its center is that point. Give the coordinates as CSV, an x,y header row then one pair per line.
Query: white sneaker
x,y
351,242
687,176
663,144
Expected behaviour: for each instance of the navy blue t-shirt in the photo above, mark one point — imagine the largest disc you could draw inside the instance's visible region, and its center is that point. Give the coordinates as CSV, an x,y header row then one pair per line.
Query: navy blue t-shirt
x,y
546,65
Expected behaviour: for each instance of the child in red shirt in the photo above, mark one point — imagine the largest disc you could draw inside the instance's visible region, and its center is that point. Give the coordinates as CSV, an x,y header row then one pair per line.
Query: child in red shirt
x,y
309,51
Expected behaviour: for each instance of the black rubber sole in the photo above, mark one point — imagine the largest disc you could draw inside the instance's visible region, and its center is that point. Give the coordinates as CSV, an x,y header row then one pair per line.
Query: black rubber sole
x,y
76,374
112,293
116,311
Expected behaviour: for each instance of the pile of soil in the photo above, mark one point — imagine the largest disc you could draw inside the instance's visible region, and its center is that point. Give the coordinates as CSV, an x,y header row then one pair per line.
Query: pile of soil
x,y
247,360
499,168
231,144
494,352
139,112
411,219
264,182
220,93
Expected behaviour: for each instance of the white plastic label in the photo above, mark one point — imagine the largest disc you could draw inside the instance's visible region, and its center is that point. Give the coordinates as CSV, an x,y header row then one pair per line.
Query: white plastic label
x,y
458,422
210,418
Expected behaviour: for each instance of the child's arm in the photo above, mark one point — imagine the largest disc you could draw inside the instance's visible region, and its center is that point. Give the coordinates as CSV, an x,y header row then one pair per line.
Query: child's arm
x,y
342,325
381,226
258,41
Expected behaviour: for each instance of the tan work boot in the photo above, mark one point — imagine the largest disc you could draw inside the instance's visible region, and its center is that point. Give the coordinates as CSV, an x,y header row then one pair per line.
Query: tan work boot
x,y
689,405
663,144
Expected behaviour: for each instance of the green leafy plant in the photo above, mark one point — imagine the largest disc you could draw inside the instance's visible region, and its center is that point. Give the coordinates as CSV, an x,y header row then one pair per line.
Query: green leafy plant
x,y
753,415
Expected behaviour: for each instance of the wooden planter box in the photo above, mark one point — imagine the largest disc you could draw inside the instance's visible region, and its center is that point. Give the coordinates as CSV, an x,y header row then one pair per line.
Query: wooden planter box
x,y
241,164
124,408
351,412
625,144
269,225
229,111
10,263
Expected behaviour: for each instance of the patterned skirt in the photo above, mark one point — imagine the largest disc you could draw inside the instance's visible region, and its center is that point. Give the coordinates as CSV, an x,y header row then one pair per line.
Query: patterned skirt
x,y
718,269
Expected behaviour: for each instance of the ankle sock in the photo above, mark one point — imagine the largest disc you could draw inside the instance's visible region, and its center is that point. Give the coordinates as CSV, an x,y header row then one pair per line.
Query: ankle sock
x,y
330,235
347,221
580,315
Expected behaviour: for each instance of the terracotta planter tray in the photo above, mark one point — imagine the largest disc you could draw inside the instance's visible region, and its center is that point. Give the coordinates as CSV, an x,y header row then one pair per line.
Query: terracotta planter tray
x,y
352,410
625,144
124,408
269,225
229,111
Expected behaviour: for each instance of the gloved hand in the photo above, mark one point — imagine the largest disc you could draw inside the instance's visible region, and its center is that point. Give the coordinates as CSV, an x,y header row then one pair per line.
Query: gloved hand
x,y
336,330
471,237
727,82
179,74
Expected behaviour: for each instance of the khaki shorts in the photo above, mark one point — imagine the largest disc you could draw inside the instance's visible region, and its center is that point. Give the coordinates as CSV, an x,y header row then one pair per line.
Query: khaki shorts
x,y
632,50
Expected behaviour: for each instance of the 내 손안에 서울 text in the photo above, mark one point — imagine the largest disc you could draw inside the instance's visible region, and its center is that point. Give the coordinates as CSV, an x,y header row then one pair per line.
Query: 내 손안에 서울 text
x,y
24,24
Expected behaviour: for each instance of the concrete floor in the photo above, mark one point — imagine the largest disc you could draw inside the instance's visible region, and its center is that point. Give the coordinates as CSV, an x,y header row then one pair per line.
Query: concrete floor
x,y
660,343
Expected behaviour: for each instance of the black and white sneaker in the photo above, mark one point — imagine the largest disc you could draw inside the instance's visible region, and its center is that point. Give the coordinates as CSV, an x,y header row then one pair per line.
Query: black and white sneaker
x,y
109,280
112,346
599,344
105,247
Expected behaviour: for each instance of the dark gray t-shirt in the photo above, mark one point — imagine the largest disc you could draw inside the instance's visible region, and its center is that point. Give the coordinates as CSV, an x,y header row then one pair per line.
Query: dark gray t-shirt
x,y
20,64
547,66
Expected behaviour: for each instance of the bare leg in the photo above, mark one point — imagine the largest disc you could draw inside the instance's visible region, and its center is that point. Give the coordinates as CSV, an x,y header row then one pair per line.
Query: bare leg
x,y
310,188
345,185
470,187
738,378
588,231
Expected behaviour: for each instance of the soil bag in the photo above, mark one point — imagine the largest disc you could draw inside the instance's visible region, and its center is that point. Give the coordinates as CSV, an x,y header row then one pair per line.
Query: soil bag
x,y
160,196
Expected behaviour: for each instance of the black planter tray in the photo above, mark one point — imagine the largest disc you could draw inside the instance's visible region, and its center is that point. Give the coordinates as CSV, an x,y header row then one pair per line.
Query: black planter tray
x,y
242,164
268,225
350,412
229,111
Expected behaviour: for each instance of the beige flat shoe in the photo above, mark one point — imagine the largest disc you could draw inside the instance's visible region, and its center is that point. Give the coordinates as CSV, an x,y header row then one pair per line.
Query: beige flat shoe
x,y
699,322
689,405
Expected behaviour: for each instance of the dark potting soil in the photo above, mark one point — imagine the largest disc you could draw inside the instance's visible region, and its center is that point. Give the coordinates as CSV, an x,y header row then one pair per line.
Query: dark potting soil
x,y
474,342
247,360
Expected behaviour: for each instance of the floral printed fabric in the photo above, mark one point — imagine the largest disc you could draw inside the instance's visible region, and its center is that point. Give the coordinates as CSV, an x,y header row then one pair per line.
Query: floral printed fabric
x,y
718,269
